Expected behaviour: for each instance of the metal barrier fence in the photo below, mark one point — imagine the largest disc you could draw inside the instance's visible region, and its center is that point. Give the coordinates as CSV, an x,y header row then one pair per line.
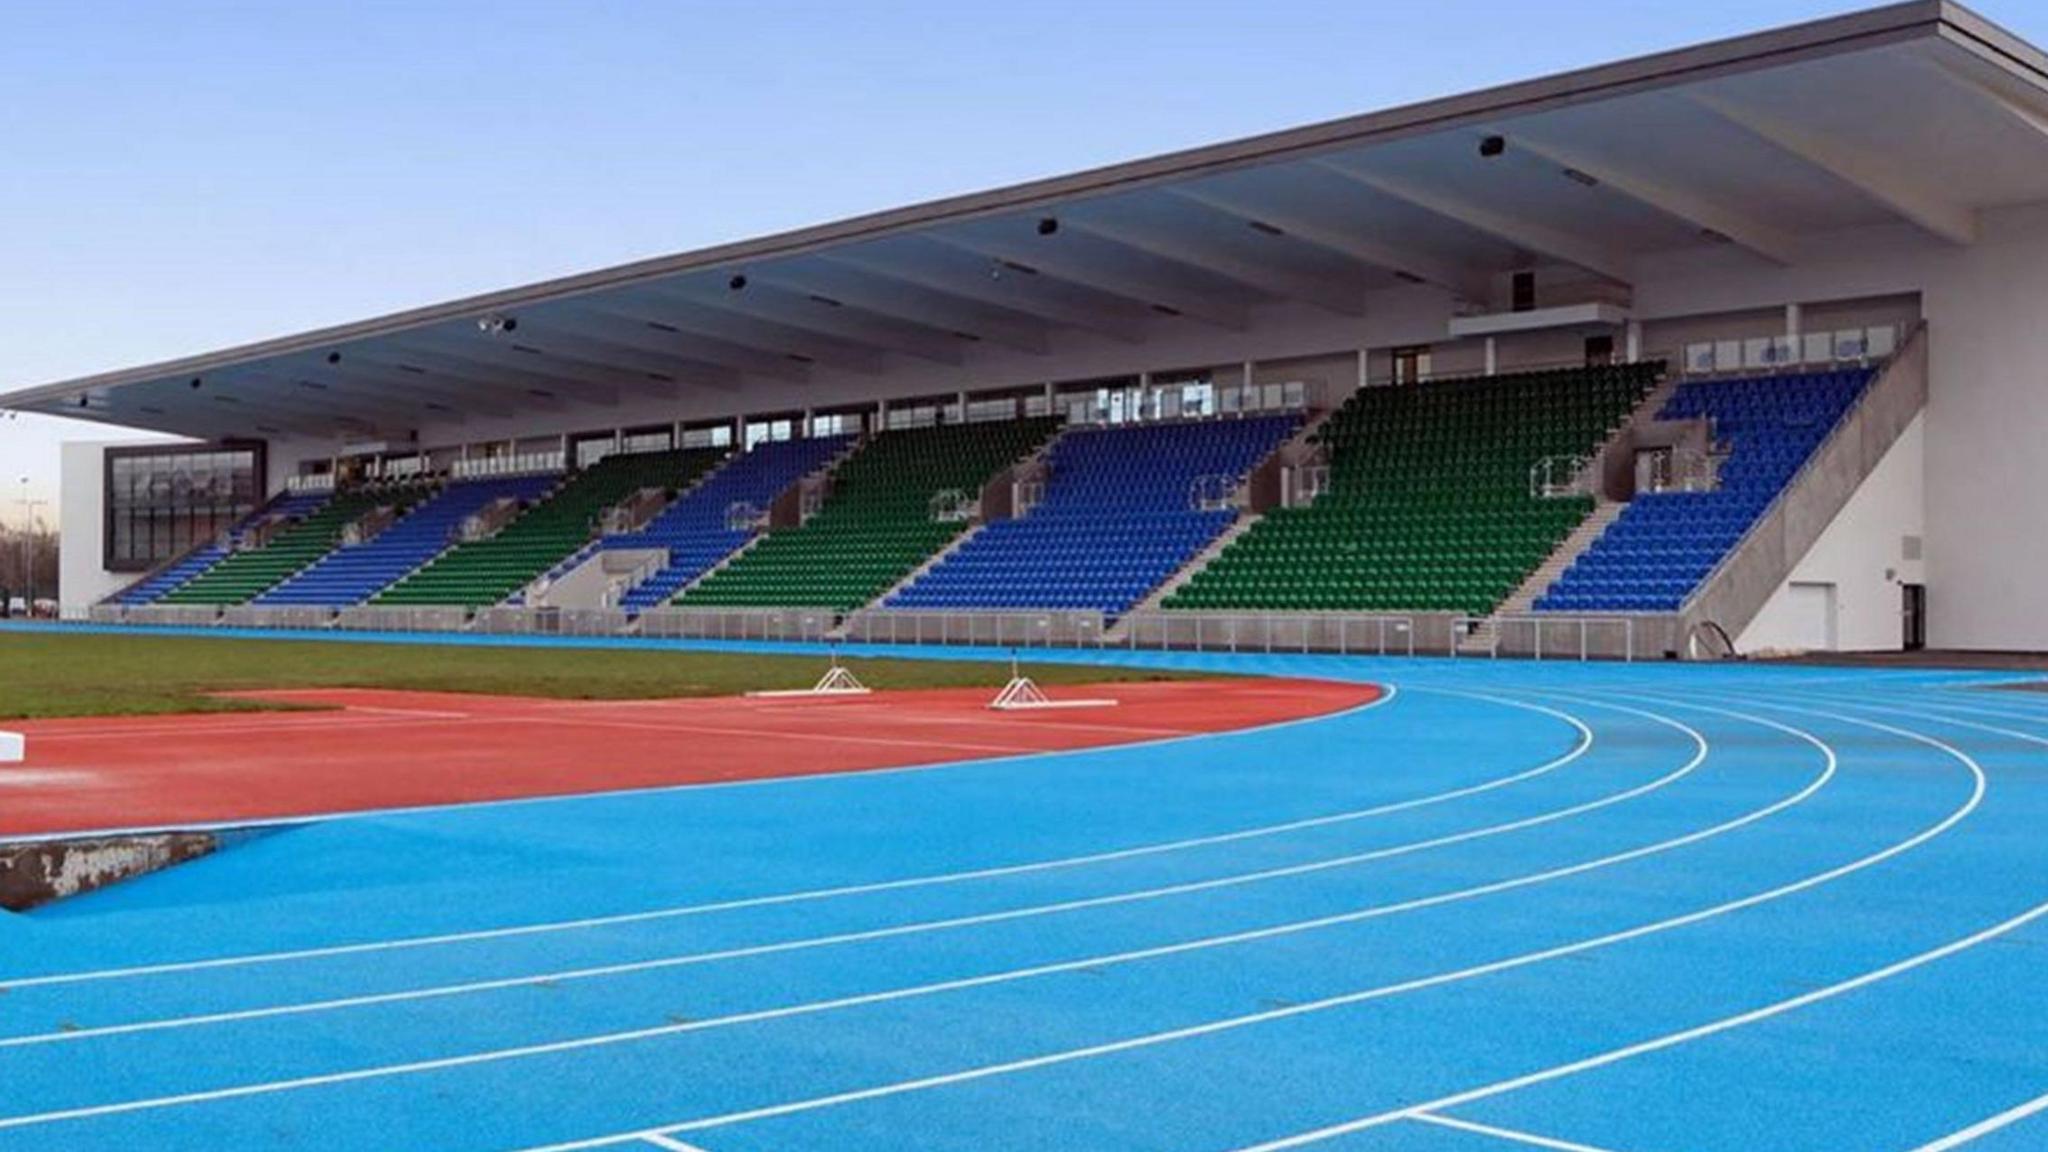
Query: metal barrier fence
x,y
297,618
1001,629
173,615
1540,636
552,621
1344,634
381,618
740,623
1557,637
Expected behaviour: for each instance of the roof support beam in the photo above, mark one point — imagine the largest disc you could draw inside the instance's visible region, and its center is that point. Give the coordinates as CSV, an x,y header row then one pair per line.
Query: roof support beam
x,y
247,408
1050,260
1883,182
694,314
1465,283
365,370
1587,253
524,386
269,391
659,374
883,296
1678,203
617,324
1268,278
1965,77
992,286
827,315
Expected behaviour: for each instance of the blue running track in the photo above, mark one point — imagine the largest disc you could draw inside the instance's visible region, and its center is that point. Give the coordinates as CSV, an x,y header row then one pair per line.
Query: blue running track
x,y
1587,908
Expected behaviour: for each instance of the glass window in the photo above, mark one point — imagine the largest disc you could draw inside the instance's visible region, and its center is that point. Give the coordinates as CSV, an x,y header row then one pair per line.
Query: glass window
x,y
163,502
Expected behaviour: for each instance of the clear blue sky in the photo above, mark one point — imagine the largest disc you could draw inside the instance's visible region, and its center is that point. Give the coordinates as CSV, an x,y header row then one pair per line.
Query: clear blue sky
x,y
176,177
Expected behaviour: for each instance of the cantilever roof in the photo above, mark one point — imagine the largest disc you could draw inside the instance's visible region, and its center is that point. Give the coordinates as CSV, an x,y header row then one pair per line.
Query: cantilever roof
x,y
1769,143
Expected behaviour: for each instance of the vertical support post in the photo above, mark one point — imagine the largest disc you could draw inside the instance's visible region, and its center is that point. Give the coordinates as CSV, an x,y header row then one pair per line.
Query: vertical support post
x,y
1635,341
1492,356
1794,323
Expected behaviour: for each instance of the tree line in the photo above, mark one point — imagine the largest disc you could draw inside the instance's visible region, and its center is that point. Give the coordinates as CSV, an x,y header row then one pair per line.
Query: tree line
x,y
28,561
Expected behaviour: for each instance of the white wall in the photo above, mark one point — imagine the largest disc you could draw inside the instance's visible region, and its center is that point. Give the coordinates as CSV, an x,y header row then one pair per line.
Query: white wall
x,y
83,519
1862,557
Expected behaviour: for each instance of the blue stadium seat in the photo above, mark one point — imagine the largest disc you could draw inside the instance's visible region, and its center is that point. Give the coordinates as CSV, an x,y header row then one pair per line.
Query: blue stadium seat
x,y
693,529
1664,543
1117,520
351,574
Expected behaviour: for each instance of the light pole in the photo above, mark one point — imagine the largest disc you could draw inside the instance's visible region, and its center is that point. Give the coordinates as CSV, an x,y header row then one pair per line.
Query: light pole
x,y
28,548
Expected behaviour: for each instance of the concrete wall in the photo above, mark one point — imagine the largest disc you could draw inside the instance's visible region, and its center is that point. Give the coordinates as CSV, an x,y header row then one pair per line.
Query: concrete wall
x,y
1856,567
84,527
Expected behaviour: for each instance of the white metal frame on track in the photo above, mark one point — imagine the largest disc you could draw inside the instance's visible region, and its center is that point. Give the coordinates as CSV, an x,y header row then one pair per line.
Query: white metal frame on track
x,y
838,680
13,748
1023,694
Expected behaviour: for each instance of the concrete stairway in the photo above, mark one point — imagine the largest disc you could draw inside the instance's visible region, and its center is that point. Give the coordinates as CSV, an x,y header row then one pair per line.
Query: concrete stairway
x,y
1522,600
1187,572
931,562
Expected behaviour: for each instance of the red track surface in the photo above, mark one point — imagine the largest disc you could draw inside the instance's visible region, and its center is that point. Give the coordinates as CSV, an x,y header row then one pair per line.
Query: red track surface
x,y
403,749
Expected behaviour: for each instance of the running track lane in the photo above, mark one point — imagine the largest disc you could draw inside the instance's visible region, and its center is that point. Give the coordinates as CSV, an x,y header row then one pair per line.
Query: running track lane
x,y
1899,858
386,749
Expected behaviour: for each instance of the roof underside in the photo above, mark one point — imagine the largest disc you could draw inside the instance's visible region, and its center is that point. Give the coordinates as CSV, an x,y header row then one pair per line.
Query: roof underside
x,y
1768,144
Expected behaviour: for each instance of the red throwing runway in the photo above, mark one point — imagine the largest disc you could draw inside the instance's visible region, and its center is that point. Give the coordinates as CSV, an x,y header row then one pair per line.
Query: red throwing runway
x,y
382,749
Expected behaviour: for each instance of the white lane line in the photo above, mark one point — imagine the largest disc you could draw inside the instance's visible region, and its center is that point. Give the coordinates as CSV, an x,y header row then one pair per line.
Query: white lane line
x,y
673,1145
1513,1136
424,713
1712,1028
74,1035
610,1039
773,734
327,721
1584,745
1942,706
1986,1127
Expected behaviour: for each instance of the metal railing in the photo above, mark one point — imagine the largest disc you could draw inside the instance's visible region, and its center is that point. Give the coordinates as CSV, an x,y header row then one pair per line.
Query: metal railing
x,y
812,624
1544,636
1330,632
522,464
551,621
394,618
1541,636
1015,629
951,506
1553,477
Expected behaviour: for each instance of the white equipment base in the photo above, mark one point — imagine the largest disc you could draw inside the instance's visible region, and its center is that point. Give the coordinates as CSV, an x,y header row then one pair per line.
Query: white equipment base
x,y
1020,694
13,748
837,682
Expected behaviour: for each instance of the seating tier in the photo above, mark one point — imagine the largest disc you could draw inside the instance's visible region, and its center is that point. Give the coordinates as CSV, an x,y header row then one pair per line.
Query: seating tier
x,y
878,525
1121,513
484,572
1429,505
1664,543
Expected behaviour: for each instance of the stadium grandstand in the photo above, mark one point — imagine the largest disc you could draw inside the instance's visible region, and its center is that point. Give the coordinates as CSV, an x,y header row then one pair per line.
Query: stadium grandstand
x,y
1736,342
